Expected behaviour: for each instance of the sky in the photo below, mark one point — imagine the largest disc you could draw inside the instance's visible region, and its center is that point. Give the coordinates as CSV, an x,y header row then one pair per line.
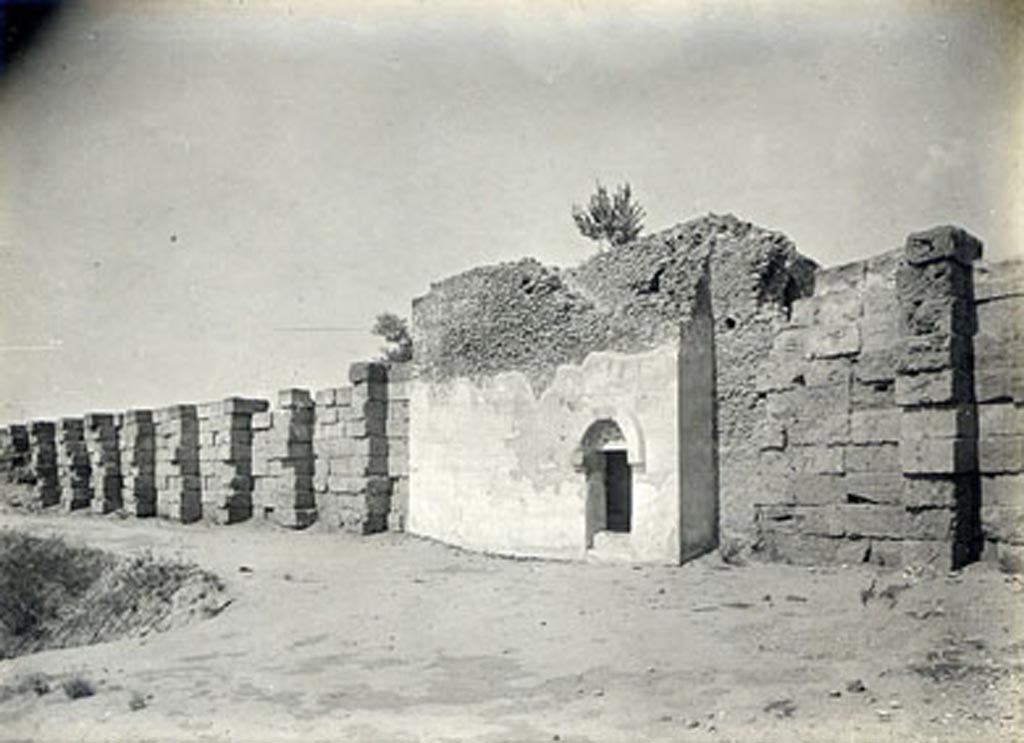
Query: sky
x,y
210,198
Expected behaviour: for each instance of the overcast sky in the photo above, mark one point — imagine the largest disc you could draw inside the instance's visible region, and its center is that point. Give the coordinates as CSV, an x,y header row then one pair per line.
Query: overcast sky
x,y
200,199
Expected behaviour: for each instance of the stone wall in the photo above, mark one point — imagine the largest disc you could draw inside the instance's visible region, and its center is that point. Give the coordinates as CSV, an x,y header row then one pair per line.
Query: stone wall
x,y
999,388
869,444
871,411
336,461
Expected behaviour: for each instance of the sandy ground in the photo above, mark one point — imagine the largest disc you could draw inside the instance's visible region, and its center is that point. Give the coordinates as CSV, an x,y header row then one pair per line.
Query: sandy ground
x,y
391,638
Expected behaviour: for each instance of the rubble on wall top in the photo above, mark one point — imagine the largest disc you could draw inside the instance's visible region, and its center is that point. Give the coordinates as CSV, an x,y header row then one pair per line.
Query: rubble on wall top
x,y
527,316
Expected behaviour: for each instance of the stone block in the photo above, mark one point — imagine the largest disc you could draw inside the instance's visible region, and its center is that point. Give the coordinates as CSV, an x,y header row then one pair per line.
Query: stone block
x,y
398,465
937,456
942,243
830,341
174,412
958,421
813,489
136,416
1001,419
325,416
872,458
878,395
873,487
908,552
1003,523
934,352
833,373
240,406
944,315
998,351
871,520
398,410
838,279
879,332
1003,490
398,390
941,281
843,306
875,426
367,371
777,376
816,459
771,435
996,384
933,387
370,393
325,398
805,549
360,427
1002,318
792,519
42,428
789,344
876,365
294,399
830,428
99,420
1001,454
998,280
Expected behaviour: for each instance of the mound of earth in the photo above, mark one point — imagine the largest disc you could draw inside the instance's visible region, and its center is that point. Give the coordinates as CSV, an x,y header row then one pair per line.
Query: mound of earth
x,y
54,594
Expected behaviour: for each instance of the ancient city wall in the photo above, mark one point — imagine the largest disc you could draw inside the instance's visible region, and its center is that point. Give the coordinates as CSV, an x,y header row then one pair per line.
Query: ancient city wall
x,y
867,412
337,461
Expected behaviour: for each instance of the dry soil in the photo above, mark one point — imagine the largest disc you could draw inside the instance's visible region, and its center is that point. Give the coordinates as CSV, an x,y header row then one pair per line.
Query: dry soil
x,y
392,638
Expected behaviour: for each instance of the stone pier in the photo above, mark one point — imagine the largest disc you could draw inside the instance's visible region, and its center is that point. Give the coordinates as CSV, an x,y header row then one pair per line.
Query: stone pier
x,y
225,458
283,461
104,461
352,484
137,441
73,466
177,463
42,459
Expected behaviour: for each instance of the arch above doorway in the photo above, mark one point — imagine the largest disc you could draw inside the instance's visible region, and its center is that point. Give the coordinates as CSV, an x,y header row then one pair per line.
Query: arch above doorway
x,y
610,426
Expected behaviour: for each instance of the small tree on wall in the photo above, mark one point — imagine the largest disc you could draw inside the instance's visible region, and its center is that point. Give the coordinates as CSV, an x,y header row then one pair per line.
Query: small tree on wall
x,y
614,218
395,331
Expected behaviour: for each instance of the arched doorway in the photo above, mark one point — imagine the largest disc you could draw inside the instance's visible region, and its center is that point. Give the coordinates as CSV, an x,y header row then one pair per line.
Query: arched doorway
x,y
609,480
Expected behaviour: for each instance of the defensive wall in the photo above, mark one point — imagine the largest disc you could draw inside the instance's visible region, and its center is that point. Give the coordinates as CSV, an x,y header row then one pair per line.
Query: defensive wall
x,y
868,412
339,457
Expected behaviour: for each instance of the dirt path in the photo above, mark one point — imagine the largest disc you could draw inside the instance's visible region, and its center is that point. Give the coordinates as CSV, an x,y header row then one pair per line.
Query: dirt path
x,y
393,638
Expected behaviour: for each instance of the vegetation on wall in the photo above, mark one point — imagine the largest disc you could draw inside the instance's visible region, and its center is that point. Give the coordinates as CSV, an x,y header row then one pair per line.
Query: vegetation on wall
x,y
610,219
395,332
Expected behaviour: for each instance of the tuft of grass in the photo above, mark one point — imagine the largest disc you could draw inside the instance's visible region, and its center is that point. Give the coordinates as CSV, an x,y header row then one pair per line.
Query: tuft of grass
x,y
731,552
137,702
78,688
34,682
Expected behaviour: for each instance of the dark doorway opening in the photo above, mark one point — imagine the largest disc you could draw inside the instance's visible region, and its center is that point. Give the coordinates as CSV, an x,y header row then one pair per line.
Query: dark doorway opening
x,y
618,492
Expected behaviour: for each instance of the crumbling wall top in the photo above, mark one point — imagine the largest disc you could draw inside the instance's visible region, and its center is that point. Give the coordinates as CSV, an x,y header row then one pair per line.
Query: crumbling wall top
x,y
530,317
